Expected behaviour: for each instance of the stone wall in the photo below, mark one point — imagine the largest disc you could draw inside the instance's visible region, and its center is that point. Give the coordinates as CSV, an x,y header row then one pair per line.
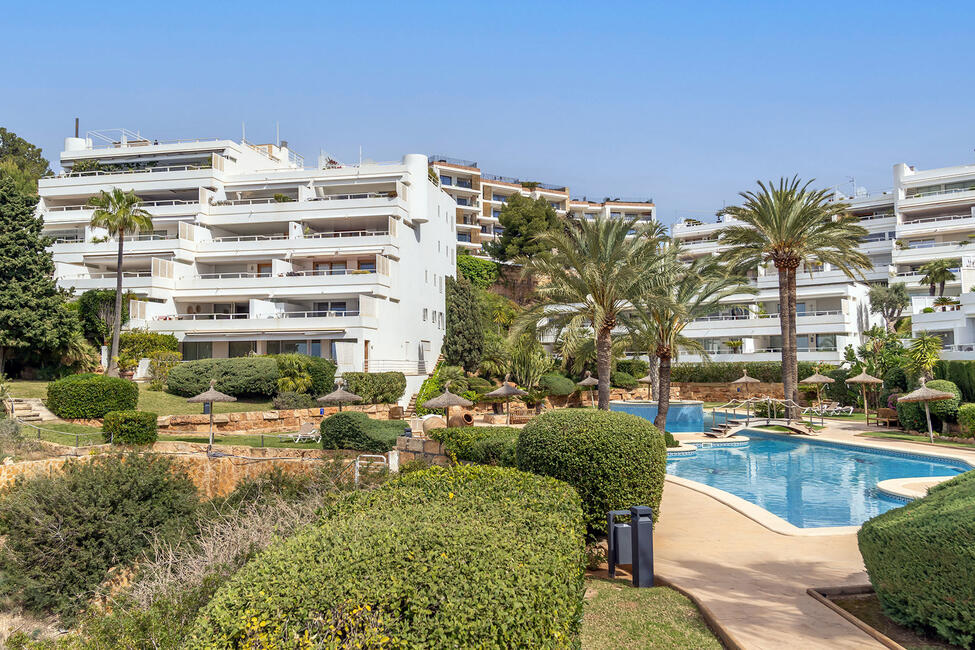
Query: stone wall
x,y
421,449
721,392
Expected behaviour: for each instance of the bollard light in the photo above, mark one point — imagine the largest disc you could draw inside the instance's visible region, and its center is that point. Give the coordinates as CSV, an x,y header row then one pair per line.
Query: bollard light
x,y
631,543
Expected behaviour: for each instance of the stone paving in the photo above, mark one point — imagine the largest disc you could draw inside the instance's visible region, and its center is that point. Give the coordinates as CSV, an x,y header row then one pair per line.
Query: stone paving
x,y
753,580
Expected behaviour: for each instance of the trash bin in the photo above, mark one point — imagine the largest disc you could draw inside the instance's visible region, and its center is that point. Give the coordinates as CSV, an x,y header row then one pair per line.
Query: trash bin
x,y
631,543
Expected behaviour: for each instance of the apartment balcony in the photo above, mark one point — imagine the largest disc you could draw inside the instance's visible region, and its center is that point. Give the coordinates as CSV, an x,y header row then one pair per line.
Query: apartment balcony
x,y
142,181
953,223
690,227
133,245
294,284
183,325
80,213
875,246
365,204
829,355
913,278
804,278
749,325
926,200
700,247
281,245
925,252
140,282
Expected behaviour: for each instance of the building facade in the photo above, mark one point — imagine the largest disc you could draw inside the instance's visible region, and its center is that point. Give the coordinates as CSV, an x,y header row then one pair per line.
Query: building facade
x,y
251,252
480,197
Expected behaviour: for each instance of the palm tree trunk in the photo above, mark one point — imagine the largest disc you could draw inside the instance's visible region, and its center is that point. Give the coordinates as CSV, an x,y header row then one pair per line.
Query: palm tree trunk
x,y
117,325
785,327
663,395
793,346
604,342
941,288
931,289
654,374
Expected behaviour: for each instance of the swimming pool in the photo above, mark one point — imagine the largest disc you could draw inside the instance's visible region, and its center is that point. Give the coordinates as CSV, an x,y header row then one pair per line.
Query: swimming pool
x,y
683,416
810,483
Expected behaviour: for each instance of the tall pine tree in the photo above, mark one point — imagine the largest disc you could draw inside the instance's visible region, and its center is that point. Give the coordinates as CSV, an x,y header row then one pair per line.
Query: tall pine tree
x,y
463,342
33,316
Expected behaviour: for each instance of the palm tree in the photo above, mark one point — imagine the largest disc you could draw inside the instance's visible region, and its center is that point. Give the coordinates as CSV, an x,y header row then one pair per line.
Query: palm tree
x,y
119,213
937,273
944,302
588,271
924,353
790,225
684,293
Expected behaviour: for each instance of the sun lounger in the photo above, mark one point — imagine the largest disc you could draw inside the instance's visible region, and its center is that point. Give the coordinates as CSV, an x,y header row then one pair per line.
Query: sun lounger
x,y
309,432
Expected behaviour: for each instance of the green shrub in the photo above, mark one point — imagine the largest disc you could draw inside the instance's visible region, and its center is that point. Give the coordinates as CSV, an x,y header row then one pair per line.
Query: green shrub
x,y
945,410
356,430
895,378
140,344
292,400
480,273
966,417
960,372
670,440
921,559
64,531
463,557
556,384
484,445
161,362
322,373
90,396
634,367
615,460
724,372
129,427
911,414
376,387
623,380
239,377
479,385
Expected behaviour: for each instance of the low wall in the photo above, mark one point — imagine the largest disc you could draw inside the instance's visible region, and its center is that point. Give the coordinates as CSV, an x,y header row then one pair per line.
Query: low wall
x,y
421,449
721,392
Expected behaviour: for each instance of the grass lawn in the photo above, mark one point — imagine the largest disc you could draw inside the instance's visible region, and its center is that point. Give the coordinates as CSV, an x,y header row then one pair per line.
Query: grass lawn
x,y
618,615
897,435
269,440
65,433
157,402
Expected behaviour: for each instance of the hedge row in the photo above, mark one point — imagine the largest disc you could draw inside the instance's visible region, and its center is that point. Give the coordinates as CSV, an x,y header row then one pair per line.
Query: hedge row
x,y
483,445
615,460
356,430
90,396
245,376
376,387
129,427
921,559
633,367
466,557
962,373
728,371
556,384
141,345
911,415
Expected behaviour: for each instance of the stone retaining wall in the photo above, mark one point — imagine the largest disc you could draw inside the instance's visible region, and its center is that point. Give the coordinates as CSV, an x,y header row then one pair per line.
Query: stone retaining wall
x,y
421,449
722,392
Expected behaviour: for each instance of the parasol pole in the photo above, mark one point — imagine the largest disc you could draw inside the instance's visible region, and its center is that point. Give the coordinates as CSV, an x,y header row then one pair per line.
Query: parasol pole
x,y
927,414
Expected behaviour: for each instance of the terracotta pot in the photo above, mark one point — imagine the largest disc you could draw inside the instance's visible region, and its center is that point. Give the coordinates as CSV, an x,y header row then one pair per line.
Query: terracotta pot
x,y
465,419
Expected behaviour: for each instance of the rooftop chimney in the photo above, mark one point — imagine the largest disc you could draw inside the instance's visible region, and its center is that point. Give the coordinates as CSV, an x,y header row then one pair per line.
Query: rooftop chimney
x,y
76,127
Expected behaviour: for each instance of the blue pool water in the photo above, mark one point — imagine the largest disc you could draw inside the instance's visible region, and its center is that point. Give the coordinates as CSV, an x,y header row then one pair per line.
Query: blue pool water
x,y
683,416
810,483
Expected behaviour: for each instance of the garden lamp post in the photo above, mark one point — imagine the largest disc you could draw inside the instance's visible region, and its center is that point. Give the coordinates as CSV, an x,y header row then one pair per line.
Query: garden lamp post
x,y
339,396
589,381
506,391
209,397
925,394
863,379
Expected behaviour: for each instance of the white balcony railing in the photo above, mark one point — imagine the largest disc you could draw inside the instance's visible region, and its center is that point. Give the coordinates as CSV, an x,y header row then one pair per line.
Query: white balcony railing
x,y
103,172
104,276
235,276
245,238
247,316
939,218
823,312
926,193
142,204
348,233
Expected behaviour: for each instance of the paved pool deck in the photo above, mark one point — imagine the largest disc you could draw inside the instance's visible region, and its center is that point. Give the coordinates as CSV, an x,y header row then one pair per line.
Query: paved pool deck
x,y
753,580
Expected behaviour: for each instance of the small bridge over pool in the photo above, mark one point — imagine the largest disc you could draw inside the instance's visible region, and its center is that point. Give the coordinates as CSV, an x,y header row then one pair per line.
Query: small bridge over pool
x,y
734,424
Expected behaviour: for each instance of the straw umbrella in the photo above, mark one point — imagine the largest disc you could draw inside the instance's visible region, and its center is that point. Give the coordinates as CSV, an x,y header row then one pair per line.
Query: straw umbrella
x,y
506,391
818,380
744,380
339,396
209,397
925,394
647,380
589,381
863,379
446,400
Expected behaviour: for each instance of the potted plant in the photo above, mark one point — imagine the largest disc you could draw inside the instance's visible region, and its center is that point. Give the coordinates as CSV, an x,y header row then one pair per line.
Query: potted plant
x,y
734,344
127,365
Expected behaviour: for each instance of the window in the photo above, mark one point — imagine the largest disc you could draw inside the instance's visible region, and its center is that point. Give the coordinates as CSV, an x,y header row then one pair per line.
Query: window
x,y
287,347
193,350
367,265
555,204
464,237
500,197
465,183
316,348
496,214
424,314
446,180
463,201
615,215
241,348
826,342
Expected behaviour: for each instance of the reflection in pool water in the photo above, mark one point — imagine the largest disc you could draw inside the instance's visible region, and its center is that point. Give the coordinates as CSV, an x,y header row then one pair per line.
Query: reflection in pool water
x,y
683,416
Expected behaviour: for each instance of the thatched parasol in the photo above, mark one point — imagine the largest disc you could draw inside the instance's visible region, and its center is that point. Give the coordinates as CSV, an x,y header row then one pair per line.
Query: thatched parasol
x,y
863,379
589,381
445,400
209,397
506,391
745,380
818,380
648,380
339,396
925,394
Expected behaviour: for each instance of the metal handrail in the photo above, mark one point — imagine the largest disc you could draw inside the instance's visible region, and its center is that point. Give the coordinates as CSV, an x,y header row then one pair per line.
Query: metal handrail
x,y
955,190
142,204
104,276
100,172
946,217
348,233
240,238
221,276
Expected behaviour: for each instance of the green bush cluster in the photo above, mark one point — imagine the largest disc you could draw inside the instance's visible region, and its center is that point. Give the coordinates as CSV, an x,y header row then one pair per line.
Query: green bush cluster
x,y
356,430
555,384
634,367
321,371
63,532
615,460
911,414
292,400
141,344
960,372
966,418
724,372
90,396
621,379
480,273
895,379
465,557
129,427
921,559
376,387
484,445
239,377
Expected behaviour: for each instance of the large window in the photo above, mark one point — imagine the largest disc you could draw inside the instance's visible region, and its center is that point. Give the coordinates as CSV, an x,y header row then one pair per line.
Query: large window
x,y
826,342
287,347
446,180
465,183
241,348
193,350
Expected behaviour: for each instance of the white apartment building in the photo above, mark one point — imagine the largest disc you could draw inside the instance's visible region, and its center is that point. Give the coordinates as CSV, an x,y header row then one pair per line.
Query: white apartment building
x,y
927,215
253,252
480,197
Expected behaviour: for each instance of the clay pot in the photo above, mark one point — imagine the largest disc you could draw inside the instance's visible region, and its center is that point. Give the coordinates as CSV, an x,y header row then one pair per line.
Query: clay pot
x,y
431,422
465,419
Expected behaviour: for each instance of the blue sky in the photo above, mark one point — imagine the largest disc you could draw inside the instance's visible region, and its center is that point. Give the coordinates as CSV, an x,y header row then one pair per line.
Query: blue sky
x,y
686,102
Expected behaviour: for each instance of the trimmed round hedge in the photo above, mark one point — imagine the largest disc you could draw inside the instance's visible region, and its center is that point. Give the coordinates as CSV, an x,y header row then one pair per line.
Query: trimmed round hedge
x,y
556,384
921,559
911,414
245,376
466,557
615,460
376,387
129,427
484,445
356,430
621,379
90,396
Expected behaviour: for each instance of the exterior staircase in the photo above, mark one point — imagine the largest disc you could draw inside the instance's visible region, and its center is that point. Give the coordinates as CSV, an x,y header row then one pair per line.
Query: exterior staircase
x,y
29,409
411,407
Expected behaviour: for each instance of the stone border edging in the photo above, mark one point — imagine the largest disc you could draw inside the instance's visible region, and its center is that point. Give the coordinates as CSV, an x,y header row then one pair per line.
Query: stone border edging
x,y
822,595
727,639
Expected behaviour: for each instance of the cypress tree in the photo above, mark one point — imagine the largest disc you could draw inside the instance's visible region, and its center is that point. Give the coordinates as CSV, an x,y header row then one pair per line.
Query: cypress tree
x,y
463,343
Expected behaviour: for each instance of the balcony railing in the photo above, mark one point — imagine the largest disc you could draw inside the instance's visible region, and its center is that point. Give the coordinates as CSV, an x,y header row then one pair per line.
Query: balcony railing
x,y
286,274
233,276
142,204
944,217
958,347
275,316
151,237
105,276
348,233
396,365
243,238
954,190
729,317
144,170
